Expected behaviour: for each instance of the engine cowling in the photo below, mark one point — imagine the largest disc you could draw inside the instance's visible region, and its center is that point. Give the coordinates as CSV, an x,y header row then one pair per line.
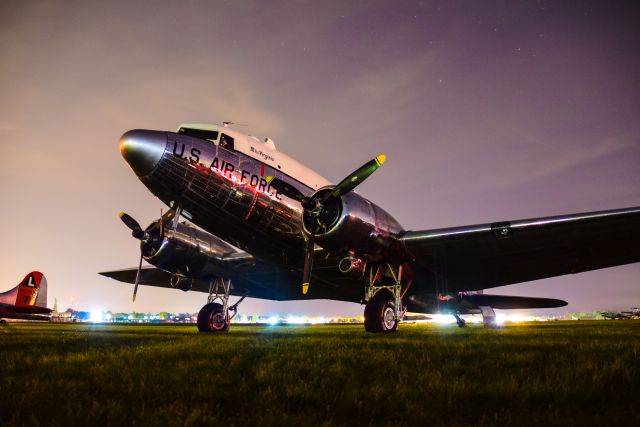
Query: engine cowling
x,y
353,224
185,251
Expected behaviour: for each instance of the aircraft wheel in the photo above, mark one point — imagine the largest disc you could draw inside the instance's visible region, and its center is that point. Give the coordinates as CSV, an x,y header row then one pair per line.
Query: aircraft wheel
x,y
211,318
379,314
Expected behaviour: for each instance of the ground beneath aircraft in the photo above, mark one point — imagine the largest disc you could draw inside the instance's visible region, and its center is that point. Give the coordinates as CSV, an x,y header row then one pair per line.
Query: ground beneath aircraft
x,y
570,373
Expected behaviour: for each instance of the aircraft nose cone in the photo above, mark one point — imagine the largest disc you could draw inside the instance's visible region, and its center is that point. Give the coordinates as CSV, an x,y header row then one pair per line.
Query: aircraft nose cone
x,y
143,149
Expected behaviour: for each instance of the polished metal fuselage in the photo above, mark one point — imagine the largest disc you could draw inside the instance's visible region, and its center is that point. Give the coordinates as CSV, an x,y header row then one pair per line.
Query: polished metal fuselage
x,y
226,193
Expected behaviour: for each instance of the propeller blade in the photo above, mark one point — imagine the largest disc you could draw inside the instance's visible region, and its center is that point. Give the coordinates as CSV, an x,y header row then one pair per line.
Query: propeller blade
x,y
284,188
161,224
129,221
308,261
135,287
353,180
133,225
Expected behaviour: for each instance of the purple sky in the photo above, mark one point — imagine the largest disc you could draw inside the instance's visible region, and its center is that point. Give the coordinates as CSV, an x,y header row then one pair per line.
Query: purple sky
x,y
487,111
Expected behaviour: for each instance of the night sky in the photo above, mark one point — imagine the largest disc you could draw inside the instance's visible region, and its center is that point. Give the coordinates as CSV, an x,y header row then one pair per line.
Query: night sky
x,y
487,111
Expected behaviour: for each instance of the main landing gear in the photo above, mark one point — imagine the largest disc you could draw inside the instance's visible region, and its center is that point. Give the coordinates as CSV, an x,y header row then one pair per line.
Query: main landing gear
x,y
216,316
384,308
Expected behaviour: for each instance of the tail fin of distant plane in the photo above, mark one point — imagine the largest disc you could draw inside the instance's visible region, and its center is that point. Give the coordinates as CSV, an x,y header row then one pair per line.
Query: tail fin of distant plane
x,y
30,292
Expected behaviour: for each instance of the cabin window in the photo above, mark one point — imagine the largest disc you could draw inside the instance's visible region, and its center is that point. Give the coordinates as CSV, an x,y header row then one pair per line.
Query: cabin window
x,y
226,142
211,135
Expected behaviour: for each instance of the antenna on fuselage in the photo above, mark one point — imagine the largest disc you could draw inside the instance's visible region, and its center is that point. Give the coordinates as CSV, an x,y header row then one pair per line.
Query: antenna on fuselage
x,y
226,124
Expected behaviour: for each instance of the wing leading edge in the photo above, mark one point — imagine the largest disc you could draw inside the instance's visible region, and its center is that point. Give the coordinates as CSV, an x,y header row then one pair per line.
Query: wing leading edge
x,y
503,253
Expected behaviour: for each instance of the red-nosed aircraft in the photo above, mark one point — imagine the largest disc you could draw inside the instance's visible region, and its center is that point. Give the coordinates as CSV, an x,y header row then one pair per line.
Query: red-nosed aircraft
x,y
27,301
263,225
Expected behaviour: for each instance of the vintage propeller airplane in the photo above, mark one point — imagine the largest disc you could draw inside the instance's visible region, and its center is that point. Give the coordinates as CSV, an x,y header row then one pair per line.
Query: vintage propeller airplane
x,y
26,301
269,227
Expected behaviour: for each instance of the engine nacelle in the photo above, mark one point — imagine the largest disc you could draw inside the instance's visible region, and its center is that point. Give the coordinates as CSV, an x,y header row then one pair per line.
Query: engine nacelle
x,y
187,251
354,224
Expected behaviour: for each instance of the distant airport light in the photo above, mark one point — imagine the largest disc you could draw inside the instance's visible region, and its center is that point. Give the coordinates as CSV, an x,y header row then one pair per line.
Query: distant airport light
x,y
296,320
96,316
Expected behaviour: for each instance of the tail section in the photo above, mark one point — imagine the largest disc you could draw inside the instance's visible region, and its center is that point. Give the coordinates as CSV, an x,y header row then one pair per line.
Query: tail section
x,y
30,292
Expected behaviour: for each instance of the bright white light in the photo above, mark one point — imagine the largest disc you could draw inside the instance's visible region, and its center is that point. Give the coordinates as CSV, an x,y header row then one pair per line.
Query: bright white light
x,y
96,316
273,320
443,319
501,318
296,320
473,319
514,318
317,321
518,318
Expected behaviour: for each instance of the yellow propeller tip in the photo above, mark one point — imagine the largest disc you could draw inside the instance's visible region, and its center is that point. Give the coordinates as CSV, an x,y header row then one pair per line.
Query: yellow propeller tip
x,y
381,159
269,179
305,288
121,214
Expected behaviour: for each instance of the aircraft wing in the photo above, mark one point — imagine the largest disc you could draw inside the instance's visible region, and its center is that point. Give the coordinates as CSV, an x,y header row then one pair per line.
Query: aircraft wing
x,y
259,279
488,255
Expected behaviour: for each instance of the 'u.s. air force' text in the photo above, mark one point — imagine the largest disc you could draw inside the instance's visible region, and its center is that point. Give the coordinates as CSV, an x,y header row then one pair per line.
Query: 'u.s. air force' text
x,y
227,169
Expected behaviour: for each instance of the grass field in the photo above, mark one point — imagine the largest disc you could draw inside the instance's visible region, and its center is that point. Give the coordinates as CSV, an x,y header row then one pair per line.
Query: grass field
x,y
569,373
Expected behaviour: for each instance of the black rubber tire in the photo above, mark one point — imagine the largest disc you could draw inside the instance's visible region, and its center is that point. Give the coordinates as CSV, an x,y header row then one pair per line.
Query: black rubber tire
x,y
212,319
375,311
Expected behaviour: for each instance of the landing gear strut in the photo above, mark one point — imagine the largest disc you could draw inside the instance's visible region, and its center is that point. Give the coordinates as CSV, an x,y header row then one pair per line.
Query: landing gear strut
x,y
460,321
216,316
384,308
488,317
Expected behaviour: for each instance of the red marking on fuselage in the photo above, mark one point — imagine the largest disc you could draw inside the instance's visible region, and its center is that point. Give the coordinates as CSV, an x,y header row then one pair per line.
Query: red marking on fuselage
x,y
262,169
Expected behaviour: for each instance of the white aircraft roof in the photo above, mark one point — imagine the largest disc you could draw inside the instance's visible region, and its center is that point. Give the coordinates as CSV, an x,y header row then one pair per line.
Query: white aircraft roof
x,y
267,153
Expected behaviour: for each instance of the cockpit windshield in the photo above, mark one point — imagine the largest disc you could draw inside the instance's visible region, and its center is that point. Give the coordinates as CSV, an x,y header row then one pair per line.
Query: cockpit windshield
x,y
211,135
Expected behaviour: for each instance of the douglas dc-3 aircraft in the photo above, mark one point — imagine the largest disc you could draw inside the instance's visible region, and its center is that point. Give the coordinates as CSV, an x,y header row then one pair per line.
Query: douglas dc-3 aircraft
x,y
269,227
27,301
